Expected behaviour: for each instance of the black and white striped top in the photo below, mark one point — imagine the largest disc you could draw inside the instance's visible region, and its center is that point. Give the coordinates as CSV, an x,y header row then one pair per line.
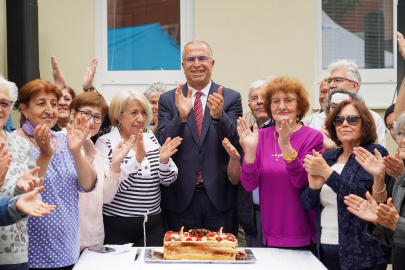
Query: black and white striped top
x,y
139,188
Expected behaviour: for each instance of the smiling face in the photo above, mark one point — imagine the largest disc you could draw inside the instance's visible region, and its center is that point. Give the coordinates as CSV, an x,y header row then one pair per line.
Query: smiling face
x,y
154,100
63,105
346,132
42,109
94,110
390,125
256,105
4,113
282,111
198,73
133,118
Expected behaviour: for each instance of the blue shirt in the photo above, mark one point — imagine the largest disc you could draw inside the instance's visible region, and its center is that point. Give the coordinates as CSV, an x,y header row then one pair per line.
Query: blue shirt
x,y
54,239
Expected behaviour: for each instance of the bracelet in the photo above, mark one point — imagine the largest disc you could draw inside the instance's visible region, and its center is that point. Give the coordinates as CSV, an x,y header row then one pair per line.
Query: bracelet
x,y
90,89
381,190
292,158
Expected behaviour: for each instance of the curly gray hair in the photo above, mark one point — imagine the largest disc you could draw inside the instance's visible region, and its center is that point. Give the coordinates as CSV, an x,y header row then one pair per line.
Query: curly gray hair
x,y
353,96
154,89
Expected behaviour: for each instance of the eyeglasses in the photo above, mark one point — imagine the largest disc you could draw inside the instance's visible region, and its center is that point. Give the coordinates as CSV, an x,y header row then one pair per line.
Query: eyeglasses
x,y
191,60
336,80
400,135
287,101
96,118
256,99
352,120
5,104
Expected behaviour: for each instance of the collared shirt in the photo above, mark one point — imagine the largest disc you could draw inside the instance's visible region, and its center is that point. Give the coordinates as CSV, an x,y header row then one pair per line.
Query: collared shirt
x,y
205,91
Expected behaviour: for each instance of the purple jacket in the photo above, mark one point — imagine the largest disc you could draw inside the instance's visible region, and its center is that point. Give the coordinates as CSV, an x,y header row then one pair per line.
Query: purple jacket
x,y
285,222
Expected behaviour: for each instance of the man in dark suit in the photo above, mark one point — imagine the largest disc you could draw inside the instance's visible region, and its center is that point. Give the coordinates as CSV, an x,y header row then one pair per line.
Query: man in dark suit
x,y
203,114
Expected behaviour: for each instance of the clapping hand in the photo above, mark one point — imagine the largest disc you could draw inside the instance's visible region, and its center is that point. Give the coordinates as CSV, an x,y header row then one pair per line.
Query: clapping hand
x,y
169,148
30,205
216,103
183,104
315,182
231,150
120,152
43,140
328,144
285,132
89,75
5,160
89,150
394,166
140,147
372,164
58,78
364,209
246,136
316,165
387,215
77,135
28,181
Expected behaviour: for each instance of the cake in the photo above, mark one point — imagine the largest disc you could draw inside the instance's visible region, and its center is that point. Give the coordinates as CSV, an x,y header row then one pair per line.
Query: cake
x,y
200,244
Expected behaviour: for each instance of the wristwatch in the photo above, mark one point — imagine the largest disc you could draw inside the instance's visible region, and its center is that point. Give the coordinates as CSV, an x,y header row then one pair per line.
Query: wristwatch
x,y
217,120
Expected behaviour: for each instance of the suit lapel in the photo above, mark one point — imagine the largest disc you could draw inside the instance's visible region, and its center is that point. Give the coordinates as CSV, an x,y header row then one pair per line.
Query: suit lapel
x,y
207,114
192,125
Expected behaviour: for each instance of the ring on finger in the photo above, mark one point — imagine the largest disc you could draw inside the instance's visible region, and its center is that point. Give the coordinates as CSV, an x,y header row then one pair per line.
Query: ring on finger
x,y
43,142
358,208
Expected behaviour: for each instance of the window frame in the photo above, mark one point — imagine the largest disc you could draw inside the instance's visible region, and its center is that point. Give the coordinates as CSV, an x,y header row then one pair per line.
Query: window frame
x,y
372,79
105,78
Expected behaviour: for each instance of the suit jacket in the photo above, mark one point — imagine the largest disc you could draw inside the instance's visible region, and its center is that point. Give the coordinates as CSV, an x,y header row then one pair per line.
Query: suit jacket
x,y
206,154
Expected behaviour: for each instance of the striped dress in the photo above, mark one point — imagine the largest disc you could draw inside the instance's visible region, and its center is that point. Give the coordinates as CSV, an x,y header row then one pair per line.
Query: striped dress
x,y
139,189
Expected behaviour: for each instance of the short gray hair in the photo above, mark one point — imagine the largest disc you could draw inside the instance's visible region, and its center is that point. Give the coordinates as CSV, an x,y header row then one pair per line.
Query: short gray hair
x,y
353,96
352,70
255,85
400,123
12,89
196,41
154,89
120,101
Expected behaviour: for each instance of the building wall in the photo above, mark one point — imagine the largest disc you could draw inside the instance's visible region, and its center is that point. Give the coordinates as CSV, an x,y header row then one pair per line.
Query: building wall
x,y
250,40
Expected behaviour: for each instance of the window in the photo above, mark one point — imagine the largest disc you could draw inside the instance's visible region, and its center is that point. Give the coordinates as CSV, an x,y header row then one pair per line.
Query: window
x,y
363,31
139,42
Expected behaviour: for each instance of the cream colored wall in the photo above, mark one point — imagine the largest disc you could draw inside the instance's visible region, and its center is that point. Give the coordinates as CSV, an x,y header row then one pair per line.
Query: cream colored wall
x,y
250,40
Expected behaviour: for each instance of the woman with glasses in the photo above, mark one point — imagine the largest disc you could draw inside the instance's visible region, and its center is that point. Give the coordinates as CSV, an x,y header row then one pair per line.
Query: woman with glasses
x,y
145,167
93,106
386,221
54,239
341,240
273,162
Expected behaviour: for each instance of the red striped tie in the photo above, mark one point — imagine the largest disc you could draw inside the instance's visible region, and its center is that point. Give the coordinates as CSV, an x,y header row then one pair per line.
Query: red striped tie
x,y
198,112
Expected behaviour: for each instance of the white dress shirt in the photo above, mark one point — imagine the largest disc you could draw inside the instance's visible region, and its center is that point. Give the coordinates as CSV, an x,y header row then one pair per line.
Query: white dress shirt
x,y
205,91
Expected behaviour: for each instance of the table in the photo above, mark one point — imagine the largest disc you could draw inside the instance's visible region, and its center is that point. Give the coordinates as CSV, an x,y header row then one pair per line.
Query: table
x,y
267,258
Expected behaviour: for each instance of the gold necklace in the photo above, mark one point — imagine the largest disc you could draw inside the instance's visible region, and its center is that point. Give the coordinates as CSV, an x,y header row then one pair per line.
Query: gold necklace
x,y
275,144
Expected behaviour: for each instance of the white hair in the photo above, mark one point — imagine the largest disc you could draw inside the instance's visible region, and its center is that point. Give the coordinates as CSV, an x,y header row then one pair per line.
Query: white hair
x,y
154,89
400,123
12,89
196,41
352,71
255,85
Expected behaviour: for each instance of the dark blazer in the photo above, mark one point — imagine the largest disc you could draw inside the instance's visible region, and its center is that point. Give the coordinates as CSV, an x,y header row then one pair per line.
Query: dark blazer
x,y
356,248
206,154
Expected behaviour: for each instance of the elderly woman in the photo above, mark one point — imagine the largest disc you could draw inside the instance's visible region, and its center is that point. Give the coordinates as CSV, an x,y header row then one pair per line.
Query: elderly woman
x,y
386,221
54,239
93,106
274,160
17,170
146,166
152,94
334,98
341,240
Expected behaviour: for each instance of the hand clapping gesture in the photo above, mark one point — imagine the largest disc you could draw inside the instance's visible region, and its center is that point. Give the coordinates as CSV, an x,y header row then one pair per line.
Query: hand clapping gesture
x,y
58,78
89,75
364,209
5,160
28,181
372,164
231,150
30,205
317,166
77,135
216,103
43,139
248,138
387,215
89,150
140,147
183,104
169,148
394,166
285,132
120,152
